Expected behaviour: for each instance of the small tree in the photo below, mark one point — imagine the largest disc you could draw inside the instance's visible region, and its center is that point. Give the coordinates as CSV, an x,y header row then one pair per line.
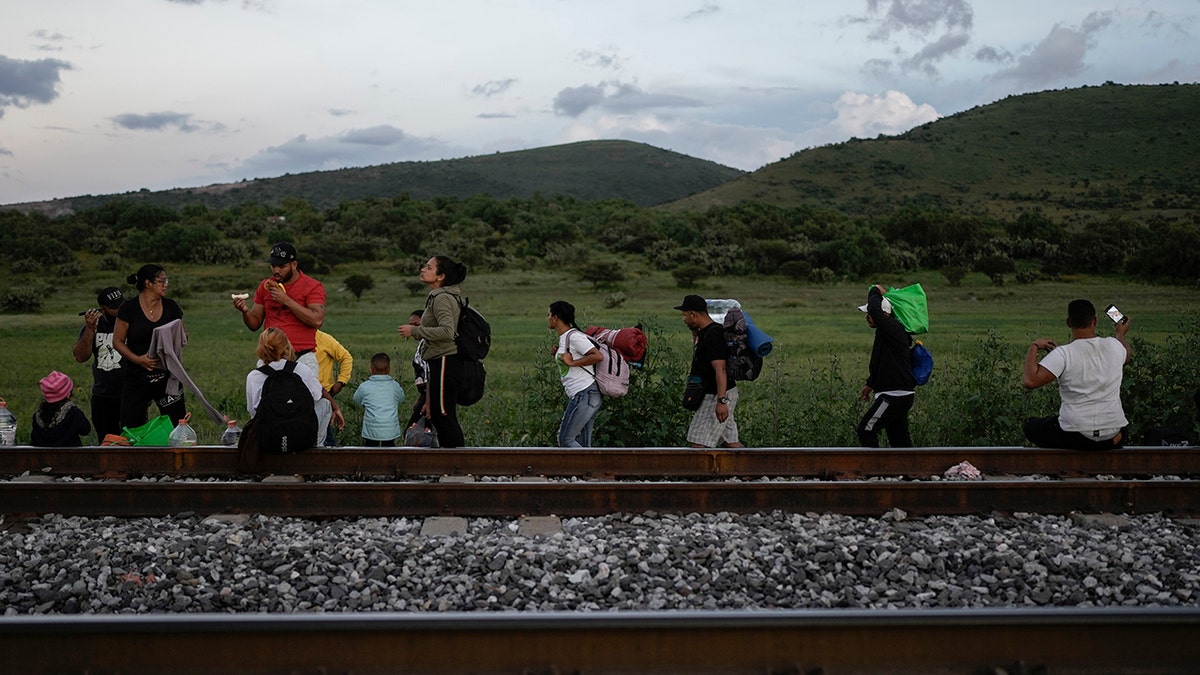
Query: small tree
x,y
357,283
414,286
602,273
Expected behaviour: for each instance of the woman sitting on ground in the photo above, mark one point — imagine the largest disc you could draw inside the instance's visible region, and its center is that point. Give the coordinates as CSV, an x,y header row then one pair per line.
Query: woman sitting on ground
x,y
275,350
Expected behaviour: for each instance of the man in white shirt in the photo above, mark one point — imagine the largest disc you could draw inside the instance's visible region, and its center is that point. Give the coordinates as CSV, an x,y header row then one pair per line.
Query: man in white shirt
x,y
1089,371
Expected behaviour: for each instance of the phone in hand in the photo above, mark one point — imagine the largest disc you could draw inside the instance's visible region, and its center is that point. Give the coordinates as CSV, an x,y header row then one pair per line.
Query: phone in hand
x,y
1115,314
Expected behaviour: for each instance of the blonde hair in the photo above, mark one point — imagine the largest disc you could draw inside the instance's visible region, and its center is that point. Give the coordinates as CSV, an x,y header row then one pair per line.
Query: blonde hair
x,y
273,345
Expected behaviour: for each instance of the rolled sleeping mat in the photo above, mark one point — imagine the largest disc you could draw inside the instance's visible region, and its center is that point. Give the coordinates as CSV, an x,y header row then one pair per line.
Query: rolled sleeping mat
x,y
760,342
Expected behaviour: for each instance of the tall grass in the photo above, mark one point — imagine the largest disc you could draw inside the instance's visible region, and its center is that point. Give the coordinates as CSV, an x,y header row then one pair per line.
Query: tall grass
x,y
807,395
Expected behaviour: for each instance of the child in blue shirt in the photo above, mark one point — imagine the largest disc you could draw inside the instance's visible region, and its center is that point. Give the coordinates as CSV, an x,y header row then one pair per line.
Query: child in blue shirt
x,y
380,396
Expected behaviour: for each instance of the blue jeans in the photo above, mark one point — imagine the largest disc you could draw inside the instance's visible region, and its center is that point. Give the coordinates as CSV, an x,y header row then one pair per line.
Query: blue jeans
x,y
575,431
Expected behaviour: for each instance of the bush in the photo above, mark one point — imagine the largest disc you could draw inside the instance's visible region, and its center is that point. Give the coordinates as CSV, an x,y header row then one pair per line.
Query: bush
x,y
621,422
414,286
21,301
602,274
822,275
1026,277
797,270
357,283
687,275
614,300
111,263
954,274
26,266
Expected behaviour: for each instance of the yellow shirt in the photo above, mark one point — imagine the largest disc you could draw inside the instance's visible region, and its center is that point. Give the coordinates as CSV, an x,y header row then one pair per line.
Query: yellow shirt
x,y
330,351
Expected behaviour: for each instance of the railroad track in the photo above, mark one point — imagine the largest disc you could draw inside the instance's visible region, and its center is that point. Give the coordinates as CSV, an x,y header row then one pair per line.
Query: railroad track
x,y
825,463
350,482
704,481
830,642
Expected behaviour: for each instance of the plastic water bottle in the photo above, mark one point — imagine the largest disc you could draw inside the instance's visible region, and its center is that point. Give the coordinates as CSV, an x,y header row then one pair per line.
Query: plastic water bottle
x,y
232,433
182,436
8,425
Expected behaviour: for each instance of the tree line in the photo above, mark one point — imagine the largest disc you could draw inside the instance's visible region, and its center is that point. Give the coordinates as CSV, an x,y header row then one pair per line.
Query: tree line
x,y
599,237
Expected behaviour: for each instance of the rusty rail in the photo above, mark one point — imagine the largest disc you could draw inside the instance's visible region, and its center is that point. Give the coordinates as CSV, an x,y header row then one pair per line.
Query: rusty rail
x,y
511,499
1080,641
825,463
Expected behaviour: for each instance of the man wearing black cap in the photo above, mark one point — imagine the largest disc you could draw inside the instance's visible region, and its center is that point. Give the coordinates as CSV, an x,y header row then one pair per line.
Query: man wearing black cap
x,y
289,300
96,341
293,302
713,423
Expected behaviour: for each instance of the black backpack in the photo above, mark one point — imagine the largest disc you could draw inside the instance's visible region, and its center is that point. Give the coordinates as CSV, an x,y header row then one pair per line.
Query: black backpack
x,y
286,419
473,336
743,364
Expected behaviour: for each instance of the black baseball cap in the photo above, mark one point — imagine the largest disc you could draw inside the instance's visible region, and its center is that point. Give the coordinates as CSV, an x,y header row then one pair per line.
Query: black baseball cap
x,y
693,303
111,297
282,253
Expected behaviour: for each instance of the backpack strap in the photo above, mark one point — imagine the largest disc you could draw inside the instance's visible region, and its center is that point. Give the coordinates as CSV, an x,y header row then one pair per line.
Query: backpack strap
x,y
595,345
266,369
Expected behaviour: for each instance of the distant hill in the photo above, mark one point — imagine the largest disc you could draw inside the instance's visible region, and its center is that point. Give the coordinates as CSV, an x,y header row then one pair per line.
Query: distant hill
x,y
587,170
1108,149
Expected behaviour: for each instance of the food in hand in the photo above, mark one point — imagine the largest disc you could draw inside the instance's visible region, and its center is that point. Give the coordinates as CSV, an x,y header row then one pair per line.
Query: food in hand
x,y
239,296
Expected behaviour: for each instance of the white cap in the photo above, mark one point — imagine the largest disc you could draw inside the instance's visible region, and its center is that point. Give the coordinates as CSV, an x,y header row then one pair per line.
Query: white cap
x,y
886,305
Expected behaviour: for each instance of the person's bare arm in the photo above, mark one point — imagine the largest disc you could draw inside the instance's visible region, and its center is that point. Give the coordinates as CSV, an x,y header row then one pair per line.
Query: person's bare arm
x,y
1033,374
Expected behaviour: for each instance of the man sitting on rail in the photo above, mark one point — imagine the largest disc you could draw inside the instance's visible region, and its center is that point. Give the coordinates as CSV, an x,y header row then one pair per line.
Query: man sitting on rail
x,y
1089,371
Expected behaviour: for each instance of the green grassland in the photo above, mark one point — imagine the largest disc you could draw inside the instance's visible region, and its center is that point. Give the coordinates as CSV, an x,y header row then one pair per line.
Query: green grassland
x,y
1090,151
807,395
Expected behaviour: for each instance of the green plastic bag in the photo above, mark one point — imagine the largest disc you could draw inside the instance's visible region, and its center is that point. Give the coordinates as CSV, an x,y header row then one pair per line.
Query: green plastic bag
x,y
155,432
910,307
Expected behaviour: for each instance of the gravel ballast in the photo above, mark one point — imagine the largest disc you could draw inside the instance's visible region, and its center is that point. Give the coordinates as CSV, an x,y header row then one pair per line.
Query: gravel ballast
x,y
58,564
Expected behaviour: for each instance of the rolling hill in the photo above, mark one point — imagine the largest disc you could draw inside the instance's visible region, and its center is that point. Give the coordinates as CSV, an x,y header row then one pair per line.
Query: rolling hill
x,y
1114,148
588,170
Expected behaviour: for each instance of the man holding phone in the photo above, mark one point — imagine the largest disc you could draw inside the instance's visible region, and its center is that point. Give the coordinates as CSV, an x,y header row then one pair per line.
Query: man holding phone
x,y
95,341
1089,371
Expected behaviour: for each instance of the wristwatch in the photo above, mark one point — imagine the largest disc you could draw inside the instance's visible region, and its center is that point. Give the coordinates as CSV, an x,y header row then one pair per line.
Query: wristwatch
x,y
722,399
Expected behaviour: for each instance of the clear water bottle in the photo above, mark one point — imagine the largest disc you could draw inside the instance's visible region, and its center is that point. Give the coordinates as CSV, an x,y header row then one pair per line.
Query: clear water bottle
x,y
8,425
232,433
183,435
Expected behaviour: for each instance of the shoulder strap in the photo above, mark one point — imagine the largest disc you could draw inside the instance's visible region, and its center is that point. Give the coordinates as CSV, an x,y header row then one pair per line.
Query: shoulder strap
x,y
290,366
266,369
595,344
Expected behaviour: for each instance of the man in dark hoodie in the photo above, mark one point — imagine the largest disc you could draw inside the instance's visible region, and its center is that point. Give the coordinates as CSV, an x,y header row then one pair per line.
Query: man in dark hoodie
x,y
890,376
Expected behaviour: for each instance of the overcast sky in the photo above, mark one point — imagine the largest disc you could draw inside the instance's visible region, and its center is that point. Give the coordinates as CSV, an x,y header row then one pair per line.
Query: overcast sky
x,y
109,96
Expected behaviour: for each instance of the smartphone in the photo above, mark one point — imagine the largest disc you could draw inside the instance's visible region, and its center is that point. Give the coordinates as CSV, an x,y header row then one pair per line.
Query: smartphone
x,y
89,310
1114,314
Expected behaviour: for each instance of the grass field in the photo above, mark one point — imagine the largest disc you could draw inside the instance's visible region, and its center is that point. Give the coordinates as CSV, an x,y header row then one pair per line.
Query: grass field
x,y
807,396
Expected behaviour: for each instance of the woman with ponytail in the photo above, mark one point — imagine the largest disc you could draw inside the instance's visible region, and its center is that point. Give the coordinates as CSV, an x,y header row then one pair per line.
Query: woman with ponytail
x,y
575,352
439,324
145,378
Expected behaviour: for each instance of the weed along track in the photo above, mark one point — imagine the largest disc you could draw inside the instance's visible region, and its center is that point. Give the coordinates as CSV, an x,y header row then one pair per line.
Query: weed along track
x,y
365,560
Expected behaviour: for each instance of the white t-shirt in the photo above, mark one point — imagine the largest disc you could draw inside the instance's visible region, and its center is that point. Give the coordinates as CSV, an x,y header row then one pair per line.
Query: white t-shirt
x,y
574,378
255,381
1089,372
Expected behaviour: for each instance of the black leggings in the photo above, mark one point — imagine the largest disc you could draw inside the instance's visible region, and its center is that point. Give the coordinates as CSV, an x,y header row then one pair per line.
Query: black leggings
x,y
445,373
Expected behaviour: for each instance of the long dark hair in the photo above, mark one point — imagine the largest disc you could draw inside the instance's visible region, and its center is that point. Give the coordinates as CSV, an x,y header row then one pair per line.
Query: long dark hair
x,y
146,274
565,312
455,271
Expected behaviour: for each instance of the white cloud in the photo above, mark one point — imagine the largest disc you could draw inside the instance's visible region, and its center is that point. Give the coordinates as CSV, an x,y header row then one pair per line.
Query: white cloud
x,y
890,113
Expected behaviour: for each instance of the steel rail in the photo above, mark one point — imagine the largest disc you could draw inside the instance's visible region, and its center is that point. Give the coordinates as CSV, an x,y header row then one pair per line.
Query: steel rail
x,y
826,463
511,499
1079,641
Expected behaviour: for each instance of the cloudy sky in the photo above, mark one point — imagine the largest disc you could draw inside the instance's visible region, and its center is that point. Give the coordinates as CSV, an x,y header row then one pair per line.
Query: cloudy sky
x,y
102,97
